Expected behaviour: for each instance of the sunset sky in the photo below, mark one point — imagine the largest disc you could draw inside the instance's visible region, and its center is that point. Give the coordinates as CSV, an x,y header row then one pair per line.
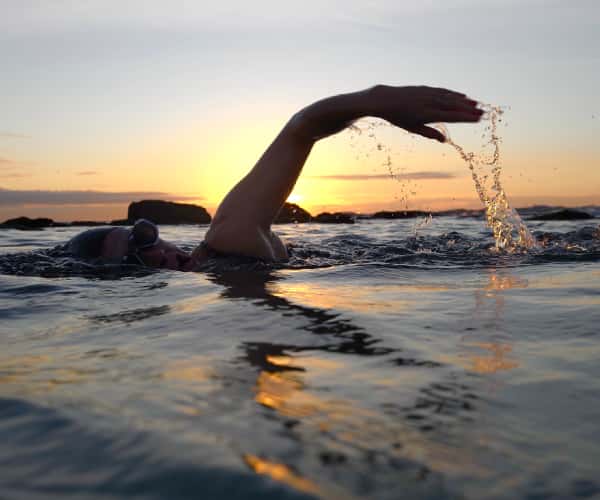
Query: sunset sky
x,y
105,102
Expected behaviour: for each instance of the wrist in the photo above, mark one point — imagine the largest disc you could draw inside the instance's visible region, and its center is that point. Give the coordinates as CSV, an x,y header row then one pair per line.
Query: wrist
x,y
371,98
331,115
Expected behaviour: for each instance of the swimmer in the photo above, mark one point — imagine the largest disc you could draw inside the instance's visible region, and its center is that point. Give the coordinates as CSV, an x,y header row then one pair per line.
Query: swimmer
x,y
242,223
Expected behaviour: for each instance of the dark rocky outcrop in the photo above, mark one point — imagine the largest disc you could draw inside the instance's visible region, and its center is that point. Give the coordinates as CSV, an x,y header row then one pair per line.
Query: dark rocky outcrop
x,y
27,224
87,223
167,212
399,214
334,218
291,213
120,222
460,212
565,214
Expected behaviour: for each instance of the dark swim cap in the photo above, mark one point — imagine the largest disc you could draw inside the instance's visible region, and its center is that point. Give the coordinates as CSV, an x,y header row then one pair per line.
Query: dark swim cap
x,y
144,234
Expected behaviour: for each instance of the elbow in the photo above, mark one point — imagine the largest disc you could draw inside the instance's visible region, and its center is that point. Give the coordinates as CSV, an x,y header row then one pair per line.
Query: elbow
x,y
302,126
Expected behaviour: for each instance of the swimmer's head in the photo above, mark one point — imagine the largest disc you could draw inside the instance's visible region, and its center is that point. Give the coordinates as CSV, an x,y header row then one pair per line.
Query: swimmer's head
x,y
146,248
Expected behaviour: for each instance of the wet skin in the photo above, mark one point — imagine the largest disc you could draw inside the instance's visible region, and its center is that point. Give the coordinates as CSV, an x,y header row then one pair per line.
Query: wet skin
x,y
165,255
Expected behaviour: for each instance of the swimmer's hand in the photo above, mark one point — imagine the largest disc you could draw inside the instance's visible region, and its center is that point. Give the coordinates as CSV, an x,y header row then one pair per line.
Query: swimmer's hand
x,y
410,108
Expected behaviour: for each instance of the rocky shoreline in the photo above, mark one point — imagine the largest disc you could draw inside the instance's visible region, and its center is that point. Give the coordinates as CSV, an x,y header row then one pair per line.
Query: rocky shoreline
x,y
166,212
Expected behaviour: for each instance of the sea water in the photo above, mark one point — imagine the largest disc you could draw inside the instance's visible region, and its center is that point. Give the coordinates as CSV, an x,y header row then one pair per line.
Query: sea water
x,y
381,362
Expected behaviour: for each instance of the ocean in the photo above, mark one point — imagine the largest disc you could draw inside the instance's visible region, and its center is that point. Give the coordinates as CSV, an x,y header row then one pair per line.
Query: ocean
x,y
388,359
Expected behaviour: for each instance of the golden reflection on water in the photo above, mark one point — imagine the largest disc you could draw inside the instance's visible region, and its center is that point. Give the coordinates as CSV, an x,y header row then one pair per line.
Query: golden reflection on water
x,y
281,473
306,362
195,304
497,355
344,424
193,369
497,282
497,358
364,298
360,299
17,368
35,374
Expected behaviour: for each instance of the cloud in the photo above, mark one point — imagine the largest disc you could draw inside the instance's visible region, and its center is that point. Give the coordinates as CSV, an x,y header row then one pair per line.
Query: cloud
x,y
42,197
6,161
374,177
87,172
12,175
13,135
11,169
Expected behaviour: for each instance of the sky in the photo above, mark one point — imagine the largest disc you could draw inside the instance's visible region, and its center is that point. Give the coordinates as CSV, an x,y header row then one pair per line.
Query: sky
x,y
107,102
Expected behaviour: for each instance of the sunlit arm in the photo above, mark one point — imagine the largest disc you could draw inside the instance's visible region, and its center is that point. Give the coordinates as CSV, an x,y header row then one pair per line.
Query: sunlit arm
x,y
242,223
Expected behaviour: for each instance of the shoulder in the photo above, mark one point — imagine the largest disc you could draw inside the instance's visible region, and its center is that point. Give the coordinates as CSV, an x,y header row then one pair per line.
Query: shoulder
x,y
90,243
116,243
250,241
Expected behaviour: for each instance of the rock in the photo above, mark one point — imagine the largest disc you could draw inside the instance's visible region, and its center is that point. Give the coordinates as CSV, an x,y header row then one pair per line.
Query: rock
x,y
120,222
167,212
92,223
460,213
399,214
292,213
565,214
27,224
334,218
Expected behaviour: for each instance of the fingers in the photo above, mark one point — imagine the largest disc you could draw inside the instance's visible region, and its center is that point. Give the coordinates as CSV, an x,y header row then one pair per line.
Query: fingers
x,y
462,104
460,116
454,116
450,106
428,132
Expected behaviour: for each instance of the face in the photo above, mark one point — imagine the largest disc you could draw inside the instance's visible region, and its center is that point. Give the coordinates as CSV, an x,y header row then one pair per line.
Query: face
x,y
165,255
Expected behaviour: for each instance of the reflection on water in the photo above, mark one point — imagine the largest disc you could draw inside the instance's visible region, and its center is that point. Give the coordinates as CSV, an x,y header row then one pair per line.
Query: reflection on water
x,y
282,473
491,351
131,316
368,379
42,374
193,369
364,299
346,337
300,384
496,357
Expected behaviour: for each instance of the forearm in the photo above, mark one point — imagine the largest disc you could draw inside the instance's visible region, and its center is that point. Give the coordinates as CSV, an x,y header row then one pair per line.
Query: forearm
x,y
332,115
259,196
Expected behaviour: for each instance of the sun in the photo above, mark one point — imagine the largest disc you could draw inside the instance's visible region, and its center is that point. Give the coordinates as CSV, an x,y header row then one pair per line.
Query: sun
x,y
294,198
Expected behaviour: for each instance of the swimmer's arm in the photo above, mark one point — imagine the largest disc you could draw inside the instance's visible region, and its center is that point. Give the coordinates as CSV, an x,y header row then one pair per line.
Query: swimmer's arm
x,y
243,220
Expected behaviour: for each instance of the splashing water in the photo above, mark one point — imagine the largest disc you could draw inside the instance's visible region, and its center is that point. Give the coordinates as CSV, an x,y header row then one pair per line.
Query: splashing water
x,y
509,230
368,129
420,224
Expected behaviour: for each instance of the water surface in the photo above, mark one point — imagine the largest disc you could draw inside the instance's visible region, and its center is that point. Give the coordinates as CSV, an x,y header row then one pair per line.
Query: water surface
x,y
375,364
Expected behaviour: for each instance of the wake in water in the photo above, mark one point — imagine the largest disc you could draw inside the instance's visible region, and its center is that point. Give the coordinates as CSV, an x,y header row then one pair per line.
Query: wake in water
x,y
387,244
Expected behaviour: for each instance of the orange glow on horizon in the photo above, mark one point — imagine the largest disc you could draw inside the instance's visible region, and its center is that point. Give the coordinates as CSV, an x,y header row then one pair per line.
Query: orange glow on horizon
x,y
202,163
